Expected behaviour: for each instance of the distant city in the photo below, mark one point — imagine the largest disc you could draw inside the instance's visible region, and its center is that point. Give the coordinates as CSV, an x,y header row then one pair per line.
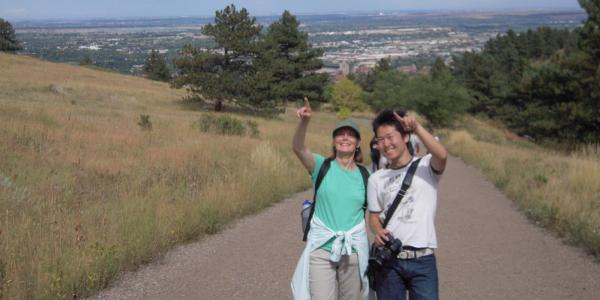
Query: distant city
x,y
352,43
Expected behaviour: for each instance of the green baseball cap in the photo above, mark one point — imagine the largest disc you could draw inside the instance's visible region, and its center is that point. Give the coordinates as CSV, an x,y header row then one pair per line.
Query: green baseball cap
x,y
347,123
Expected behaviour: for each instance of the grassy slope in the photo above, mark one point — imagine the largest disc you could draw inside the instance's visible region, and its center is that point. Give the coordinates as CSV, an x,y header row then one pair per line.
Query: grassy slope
x,y
85,193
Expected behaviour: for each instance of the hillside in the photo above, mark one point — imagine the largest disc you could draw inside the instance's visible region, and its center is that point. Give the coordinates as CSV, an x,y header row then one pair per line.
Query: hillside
x,y
85,192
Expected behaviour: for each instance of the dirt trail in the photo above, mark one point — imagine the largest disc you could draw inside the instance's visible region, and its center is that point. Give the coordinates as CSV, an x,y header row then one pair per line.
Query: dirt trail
x,y
488,250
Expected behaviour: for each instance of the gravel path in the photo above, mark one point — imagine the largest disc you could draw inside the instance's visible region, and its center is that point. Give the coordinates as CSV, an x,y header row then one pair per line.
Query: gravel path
x,y
488,250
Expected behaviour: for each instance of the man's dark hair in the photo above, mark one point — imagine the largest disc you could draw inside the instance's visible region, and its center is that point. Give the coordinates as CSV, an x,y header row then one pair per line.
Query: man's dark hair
x,y
386,117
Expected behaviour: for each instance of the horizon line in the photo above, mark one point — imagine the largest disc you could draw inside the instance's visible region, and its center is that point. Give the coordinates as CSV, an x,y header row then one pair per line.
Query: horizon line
x,y
266,15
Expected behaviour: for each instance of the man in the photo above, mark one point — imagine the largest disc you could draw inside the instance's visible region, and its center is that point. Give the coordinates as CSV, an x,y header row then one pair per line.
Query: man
x,y
413,270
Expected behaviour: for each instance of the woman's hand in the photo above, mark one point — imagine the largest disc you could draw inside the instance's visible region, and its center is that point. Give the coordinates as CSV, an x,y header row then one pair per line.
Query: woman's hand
x,y
305,111
300,149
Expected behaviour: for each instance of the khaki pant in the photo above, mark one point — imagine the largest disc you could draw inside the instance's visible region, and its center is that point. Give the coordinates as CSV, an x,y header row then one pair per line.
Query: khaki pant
x,y
327,277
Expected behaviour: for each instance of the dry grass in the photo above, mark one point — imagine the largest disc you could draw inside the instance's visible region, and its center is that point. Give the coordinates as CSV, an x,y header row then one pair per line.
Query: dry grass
x,y
558,191
85,193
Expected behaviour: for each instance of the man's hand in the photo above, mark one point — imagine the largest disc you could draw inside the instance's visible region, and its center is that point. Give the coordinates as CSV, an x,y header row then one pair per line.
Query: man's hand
x,y
381,237
409,123
438,152
305,111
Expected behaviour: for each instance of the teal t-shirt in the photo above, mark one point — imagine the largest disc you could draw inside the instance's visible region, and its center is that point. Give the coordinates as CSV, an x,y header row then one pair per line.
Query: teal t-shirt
x,y
340,197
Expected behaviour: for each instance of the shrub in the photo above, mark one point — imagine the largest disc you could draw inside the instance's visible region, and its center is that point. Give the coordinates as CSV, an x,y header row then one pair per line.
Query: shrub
x,y
226,125
252,128
347,97
144,122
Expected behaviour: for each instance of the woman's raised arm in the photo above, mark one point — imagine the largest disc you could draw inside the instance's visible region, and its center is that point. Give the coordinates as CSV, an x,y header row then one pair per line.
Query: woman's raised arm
x,y
304,155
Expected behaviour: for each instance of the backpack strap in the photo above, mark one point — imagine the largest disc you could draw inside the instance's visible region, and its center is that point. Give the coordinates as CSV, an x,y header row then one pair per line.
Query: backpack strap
x,y
365,176
405,185
322,171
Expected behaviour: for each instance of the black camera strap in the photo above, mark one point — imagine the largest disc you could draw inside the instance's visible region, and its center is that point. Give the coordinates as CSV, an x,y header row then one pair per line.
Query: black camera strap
x,y
405,185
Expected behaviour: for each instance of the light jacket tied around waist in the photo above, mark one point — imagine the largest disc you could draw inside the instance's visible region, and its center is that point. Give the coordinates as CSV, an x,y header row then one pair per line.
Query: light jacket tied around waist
x,y
343,243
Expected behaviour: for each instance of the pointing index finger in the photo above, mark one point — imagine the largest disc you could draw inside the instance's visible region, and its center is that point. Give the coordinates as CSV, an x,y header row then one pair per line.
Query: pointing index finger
x,y
398,117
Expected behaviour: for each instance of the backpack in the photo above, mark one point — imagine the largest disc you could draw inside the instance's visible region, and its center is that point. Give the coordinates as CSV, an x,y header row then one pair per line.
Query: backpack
x,y
322,172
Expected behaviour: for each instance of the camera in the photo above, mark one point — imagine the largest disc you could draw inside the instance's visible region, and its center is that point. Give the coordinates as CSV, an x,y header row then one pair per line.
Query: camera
x,y
381,255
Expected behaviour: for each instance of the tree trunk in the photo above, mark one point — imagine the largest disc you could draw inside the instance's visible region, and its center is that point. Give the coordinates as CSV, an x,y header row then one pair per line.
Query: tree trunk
x,y
219,105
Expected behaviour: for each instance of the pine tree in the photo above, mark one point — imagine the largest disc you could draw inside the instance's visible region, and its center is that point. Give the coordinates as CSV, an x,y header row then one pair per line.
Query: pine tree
x,y
560,99
589,35
222,73
439,70
367,81
287,63
155,67
383,65
8,38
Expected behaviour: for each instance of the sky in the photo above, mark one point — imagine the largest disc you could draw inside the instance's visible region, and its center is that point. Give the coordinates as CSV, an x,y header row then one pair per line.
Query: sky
x,y
82,9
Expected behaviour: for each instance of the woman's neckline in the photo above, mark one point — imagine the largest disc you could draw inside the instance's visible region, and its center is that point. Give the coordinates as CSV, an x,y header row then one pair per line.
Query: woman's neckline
x,y
352,164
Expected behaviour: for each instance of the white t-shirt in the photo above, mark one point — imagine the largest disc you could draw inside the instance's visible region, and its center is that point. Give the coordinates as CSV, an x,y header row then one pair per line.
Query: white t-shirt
x,y
413,221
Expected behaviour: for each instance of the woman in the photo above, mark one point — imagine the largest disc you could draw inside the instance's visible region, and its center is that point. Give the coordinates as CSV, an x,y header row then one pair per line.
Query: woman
x,y
378,161
337,249
375,155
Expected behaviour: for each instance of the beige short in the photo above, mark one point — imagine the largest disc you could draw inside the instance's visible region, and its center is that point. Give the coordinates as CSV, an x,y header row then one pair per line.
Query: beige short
x,y
328,278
